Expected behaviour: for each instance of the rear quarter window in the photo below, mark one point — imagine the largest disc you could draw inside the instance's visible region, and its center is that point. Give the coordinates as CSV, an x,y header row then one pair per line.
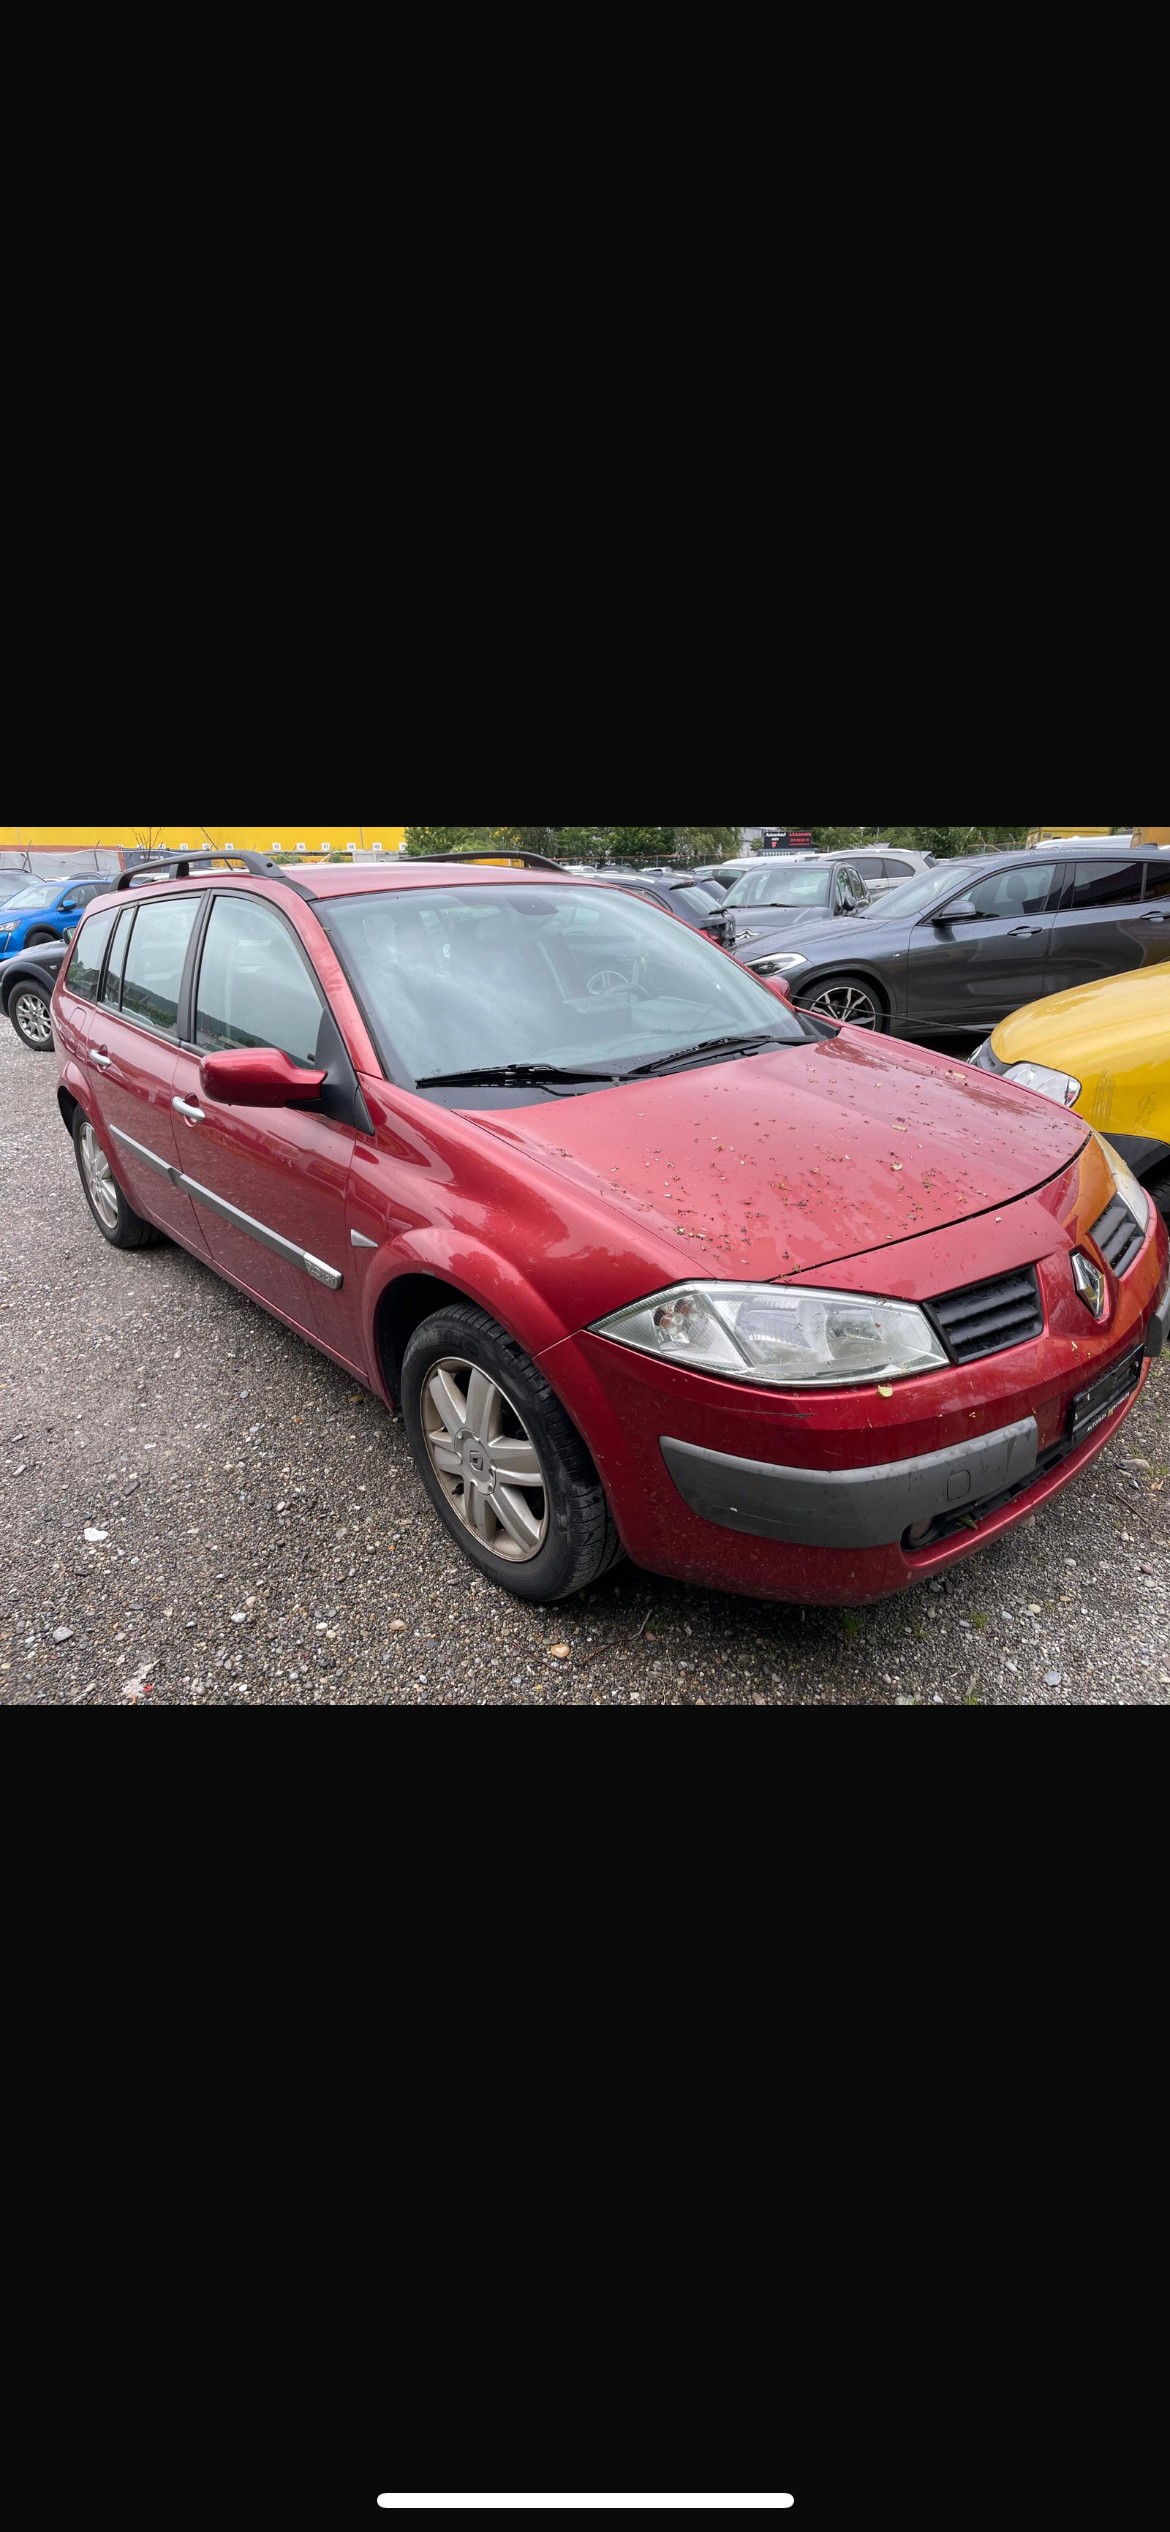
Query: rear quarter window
x,y
85,966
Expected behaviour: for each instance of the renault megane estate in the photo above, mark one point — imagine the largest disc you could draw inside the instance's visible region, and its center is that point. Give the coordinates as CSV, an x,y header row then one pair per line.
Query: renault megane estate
x,y
648,1259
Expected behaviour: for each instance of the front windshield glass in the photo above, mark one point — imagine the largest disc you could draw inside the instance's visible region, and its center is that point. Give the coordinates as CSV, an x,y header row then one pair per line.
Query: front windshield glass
x,y
783,888
28,899
461,979
916,894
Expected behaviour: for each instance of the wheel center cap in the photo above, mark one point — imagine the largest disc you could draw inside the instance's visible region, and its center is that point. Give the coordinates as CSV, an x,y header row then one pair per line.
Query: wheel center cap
x,y
475,1459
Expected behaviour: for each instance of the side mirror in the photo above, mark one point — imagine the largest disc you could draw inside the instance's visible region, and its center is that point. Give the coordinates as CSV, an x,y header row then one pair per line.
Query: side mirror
x,y
778,985
259,1077
961,911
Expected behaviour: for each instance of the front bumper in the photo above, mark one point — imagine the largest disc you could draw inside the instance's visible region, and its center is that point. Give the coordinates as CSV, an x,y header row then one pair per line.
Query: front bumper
x,y
844,1497
852,1507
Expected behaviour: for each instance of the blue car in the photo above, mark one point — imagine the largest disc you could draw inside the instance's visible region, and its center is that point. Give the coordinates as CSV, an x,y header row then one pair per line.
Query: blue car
x,y
36,910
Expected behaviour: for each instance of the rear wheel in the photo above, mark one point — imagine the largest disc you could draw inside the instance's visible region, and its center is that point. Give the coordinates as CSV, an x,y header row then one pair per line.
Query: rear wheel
x,y
506,1471
849,998
29,1014
115,1218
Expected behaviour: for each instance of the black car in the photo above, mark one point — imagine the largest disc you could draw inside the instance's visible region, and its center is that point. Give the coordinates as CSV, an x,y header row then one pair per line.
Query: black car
x,y
957,949
26,986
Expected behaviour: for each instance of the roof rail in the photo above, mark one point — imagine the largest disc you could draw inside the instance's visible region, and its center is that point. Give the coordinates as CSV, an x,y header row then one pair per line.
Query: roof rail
x,y
181,866
531,861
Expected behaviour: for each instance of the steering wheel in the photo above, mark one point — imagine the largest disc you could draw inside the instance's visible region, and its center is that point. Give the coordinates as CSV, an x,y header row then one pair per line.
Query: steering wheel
x,y
609,980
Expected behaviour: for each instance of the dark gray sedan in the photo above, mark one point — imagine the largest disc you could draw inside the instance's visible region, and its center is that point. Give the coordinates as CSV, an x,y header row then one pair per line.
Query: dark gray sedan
x,y
954,951
26,989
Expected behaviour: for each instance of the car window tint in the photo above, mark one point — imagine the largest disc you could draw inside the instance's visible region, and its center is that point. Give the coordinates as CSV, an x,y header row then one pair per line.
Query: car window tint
x,y
1091,884
112,988
700,900
85,966
1158,878
254,988
897,870
1025,890
154,964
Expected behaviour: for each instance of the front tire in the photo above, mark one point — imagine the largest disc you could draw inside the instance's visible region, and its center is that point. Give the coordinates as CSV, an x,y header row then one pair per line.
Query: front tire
x,y
114,1216
851,1000
507,1473
40,940
29,1014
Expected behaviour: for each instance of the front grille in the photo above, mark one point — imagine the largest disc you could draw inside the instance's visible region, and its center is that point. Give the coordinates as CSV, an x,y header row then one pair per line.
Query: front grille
x,y
988,1318
1118,1237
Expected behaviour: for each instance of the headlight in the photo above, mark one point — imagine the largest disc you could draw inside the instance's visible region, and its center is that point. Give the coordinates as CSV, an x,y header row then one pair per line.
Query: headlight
x,y
1131,1192
782,966
1059,1086
780,1335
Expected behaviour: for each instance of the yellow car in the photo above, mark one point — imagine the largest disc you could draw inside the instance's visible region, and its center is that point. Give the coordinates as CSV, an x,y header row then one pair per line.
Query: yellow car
x,y
1105,1051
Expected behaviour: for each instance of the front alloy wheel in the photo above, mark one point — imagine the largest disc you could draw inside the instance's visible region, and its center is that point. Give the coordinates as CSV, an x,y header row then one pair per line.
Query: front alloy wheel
x,y
506,1471
848,1000
485,1461
29,1014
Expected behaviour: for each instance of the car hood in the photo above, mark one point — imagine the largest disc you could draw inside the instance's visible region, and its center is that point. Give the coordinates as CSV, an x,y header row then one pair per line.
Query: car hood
x,y
771,1165
1084,1032
786,918
816,933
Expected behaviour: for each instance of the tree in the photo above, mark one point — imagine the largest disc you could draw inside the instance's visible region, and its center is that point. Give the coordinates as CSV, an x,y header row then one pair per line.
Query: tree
x,y
424,840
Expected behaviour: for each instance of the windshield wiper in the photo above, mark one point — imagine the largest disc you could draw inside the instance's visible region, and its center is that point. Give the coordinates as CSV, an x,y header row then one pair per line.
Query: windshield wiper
x,y
710,1046
509,1076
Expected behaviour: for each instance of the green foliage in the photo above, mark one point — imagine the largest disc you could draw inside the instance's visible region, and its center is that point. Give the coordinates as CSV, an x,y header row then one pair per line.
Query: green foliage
x,y
422,840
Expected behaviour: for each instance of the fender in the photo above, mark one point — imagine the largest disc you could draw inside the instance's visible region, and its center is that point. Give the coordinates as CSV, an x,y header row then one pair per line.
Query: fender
x,y
75,1084
472,1272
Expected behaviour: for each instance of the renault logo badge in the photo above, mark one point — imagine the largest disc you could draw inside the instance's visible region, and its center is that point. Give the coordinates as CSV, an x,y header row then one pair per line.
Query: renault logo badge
x,y
1090,1283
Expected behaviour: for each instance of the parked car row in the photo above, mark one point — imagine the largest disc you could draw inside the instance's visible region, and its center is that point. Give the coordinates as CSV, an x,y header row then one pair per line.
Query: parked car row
x,y
649,1259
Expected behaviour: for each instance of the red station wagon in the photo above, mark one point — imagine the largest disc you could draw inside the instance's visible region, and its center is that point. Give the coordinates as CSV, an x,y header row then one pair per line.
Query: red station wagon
x,y
648,1259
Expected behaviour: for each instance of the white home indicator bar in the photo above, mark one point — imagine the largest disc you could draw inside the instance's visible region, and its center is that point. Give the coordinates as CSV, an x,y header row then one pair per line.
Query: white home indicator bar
x,y
715,2503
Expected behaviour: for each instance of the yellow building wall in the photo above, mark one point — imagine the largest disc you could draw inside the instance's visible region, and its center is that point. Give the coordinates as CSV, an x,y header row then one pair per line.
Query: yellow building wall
x,y
248,839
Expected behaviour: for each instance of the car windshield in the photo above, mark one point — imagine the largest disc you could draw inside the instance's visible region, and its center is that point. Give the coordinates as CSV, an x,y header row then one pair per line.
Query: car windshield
x,y
30,899
916,894
808,887
461,980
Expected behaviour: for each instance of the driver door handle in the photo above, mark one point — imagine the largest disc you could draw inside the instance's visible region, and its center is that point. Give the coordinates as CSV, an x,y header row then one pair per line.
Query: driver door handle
x,y
187,1108
1025,932
103,1061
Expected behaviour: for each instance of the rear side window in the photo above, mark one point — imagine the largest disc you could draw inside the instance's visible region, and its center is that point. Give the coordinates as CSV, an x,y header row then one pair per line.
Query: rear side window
x,y
254,989
1092,884
1158,879
898,870
85,966
112,988
155,960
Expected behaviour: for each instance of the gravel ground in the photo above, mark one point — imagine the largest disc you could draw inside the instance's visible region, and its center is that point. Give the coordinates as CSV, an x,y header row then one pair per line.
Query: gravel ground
x,y
262,1540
